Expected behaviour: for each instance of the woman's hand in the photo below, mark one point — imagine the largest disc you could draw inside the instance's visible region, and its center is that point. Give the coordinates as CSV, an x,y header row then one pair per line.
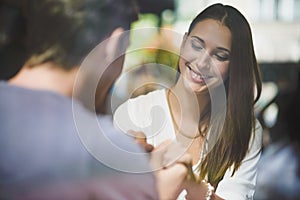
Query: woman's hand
x,y
196,190
170,181
171,167
200,191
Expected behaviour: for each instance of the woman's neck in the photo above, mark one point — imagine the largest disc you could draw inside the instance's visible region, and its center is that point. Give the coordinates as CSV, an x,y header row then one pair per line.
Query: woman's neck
x,y
190,101
186,107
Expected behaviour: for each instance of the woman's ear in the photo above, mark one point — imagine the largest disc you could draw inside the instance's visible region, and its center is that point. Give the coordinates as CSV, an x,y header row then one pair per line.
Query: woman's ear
x,y
185,36
112,46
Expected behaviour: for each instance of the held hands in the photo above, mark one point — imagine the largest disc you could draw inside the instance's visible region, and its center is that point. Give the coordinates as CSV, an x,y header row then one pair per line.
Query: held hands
x,y
173,170
199,190
170,164
164,155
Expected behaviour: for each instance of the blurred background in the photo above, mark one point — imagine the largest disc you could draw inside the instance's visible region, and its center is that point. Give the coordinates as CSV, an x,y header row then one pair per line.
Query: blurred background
x,y
276,32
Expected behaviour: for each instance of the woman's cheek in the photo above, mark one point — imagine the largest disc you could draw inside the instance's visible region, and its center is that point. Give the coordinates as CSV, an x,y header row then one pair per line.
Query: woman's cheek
x,y
225,71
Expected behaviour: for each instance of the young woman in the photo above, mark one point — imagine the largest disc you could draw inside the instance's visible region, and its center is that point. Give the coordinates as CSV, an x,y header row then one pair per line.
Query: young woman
x,y
210,108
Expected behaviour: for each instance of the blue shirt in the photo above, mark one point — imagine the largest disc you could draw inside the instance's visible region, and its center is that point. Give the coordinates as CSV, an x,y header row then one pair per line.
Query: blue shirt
x,y
47,152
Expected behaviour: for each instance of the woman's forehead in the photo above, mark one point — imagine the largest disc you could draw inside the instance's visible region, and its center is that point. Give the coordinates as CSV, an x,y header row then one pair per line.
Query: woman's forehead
x,y
213,32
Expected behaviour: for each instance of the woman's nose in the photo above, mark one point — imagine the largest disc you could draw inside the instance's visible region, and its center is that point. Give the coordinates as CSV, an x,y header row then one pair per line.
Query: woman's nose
x,y
203,61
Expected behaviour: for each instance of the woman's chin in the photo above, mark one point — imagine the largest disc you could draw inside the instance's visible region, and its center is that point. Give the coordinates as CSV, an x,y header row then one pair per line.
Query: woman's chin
x,y
200,90
195,87
203,87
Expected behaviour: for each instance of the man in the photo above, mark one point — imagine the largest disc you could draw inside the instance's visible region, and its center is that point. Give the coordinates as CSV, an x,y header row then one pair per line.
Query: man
x,y
42,155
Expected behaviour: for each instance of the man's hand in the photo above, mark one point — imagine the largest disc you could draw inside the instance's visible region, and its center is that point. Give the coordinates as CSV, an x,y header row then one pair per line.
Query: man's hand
x,y
141,139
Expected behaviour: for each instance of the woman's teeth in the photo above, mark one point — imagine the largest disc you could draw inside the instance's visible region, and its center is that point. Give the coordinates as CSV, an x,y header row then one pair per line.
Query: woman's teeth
x,y
194,75
197,76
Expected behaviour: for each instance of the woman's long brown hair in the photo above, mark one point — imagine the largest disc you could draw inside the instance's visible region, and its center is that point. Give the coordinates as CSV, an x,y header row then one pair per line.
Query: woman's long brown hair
x,y
244,75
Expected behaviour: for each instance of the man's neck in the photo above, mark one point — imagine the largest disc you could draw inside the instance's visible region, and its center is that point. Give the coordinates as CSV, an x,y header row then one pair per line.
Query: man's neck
x,y
46,77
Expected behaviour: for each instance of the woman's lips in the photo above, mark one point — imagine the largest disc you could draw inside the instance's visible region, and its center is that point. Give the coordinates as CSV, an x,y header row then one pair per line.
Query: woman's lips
x,y
197,77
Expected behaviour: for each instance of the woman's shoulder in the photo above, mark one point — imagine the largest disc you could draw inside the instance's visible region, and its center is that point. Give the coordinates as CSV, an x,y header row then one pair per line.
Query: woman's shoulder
x,y
256,139
144,100
258,131
138,110
258,127
143,104
150,96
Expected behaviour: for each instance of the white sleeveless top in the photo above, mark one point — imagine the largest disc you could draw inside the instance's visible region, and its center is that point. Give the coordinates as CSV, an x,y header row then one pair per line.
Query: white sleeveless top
x,y
150,114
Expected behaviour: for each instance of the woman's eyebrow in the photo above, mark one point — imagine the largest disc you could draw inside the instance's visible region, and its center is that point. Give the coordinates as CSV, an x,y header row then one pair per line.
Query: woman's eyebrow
x,y
199,39
202,41
223,49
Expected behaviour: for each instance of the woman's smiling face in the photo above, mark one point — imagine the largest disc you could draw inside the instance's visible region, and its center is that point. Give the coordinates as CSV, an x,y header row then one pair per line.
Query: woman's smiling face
x,y
205,55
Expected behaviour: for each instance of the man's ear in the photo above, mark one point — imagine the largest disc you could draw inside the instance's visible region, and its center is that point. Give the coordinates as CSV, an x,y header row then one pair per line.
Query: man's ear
x,y
113,44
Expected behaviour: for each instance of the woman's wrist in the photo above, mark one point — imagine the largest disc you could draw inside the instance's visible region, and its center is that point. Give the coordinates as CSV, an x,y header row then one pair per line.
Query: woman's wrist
x,y
210,191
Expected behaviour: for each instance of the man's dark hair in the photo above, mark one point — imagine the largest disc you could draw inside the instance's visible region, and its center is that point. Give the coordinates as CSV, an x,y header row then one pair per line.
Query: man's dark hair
x,y
64,31
12,39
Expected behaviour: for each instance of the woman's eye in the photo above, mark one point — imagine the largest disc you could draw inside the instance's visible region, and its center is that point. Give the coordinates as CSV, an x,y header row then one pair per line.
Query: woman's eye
x,y
196,45
222,57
